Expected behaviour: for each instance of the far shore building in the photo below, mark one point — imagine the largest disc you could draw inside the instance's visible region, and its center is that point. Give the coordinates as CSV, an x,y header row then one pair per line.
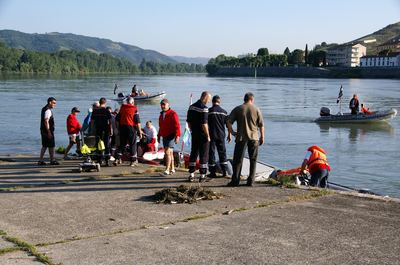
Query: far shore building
x,y
347,55
389,60
392,45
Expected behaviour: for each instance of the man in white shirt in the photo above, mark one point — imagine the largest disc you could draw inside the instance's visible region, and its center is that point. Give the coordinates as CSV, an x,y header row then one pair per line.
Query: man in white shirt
x,y
47,131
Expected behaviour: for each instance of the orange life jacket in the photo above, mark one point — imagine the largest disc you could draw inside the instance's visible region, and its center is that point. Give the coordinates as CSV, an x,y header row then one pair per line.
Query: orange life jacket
x,y
317,159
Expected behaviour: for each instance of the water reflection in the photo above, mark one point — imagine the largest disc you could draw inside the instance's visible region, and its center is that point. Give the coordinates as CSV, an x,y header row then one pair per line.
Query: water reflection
x,y
358,132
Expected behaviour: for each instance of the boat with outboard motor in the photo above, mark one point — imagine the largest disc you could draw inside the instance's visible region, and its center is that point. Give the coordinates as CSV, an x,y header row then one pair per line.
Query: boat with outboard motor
x,y
146,98
376,116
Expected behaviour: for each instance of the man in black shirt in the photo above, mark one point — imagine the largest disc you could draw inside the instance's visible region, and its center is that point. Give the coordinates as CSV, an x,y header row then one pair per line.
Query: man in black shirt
x,y
197,119
47,131
217,118
101,120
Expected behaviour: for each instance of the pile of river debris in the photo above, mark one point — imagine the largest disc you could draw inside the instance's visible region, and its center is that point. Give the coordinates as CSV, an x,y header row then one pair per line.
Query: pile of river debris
x,y
185,194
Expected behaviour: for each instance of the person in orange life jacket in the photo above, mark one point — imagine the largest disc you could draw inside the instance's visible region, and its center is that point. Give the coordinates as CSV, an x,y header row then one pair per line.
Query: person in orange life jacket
x,y
47,131
317,164
129,126
170,131
365,110
73,129
197,119
354,105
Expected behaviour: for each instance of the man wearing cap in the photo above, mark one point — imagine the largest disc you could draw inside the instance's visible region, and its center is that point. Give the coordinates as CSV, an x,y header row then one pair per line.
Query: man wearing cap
x,y
170,131
73,129
197,119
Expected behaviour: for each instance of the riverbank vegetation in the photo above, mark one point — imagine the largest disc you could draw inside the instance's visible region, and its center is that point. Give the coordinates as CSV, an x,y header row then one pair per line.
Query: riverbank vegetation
x,y
74,62
315,57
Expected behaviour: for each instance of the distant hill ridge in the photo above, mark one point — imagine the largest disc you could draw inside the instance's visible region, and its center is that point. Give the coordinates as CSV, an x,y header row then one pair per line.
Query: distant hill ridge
x,y
381,36
54,41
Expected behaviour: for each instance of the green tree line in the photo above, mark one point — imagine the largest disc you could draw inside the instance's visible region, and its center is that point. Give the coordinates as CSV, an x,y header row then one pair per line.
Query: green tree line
x,y
74,62
316,57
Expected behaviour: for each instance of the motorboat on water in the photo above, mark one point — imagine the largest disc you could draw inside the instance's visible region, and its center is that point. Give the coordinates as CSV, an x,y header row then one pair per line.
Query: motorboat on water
x,y
156,97
376,116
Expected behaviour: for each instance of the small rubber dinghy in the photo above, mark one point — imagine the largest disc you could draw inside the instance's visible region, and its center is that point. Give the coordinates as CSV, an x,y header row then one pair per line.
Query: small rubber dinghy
x,y
377,116
150,98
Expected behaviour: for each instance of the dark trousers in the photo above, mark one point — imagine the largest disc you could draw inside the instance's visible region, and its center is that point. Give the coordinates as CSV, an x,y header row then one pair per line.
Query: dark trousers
x,y
128,136
200,146
220,146
103,134
319,178
252,149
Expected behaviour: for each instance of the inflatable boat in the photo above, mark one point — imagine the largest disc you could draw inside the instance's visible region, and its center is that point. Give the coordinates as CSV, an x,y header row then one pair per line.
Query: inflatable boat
x,y
377,116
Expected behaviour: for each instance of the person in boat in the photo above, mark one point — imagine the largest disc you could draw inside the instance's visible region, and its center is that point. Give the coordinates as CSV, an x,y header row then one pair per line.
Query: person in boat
x,y
129,127
73,129
170,131
354,105
365,110
197,119
317,164
217,118
249,121
142,93
134,92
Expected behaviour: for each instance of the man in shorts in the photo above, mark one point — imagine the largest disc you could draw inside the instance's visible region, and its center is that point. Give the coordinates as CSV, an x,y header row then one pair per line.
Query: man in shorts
x,y
47,131
170,131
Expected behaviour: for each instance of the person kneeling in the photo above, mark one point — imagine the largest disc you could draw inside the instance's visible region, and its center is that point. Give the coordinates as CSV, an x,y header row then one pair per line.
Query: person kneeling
x,y
317,164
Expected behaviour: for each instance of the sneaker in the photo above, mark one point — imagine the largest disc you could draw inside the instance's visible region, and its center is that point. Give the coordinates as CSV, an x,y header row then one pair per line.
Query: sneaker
x,y
54,163
119,161
191,177
172,171
134,164
112,159
166,173
202,178
41,163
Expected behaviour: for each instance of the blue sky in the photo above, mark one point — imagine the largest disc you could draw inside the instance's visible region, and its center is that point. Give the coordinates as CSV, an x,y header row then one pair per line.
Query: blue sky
x,y
204,28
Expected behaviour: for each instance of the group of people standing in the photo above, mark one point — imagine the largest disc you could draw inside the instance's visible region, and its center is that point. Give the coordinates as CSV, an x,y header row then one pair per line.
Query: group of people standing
x,y
208,135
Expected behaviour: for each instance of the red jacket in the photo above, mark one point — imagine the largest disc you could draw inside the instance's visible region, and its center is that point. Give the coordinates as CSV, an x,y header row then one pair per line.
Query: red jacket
x,y
169,125
128,115
73,125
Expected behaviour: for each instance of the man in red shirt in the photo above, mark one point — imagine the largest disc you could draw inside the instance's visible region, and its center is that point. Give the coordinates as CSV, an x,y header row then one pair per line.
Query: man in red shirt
x,y
170,131
73,129
129,126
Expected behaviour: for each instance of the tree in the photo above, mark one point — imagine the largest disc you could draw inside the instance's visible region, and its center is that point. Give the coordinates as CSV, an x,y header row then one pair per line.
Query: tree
x,y
262,52
306,54
297,56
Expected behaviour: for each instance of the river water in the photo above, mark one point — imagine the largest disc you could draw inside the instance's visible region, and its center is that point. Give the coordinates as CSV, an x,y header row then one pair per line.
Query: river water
x,y
360,156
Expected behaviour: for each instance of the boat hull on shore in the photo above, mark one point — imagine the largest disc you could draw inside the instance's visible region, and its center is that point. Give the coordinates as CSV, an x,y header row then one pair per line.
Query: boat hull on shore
x,y
382,115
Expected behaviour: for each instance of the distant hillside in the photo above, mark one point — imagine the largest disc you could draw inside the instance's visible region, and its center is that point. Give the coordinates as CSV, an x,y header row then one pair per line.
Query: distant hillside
x,y
381,36
190,60
53,42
